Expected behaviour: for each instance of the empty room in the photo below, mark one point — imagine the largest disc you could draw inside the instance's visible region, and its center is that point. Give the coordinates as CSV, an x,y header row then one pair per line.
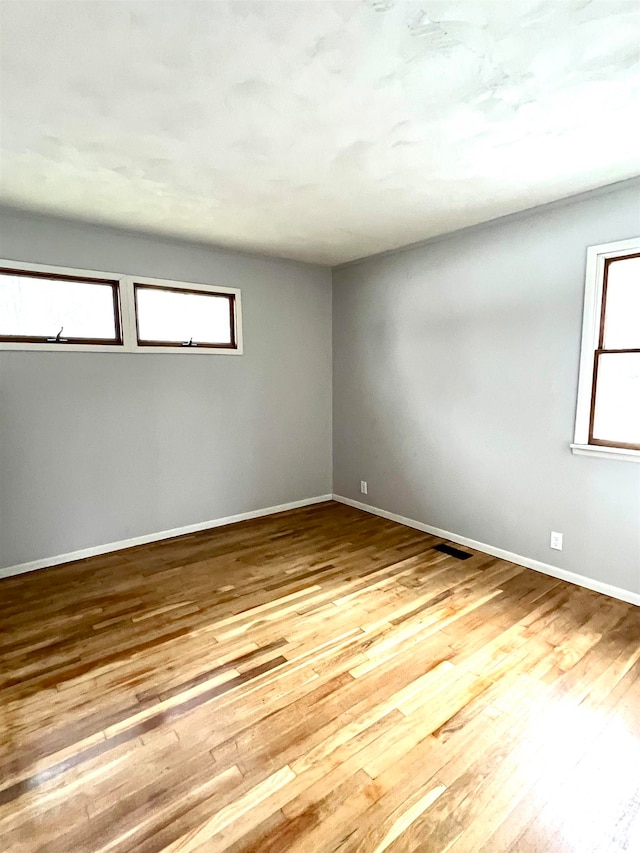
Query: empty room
x,y
319,426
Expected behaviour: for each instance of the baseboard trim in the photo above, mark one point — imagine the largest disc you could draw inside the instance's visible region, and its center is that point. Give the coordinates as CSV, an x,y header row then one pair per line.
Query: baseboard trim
x,y
518,559
47,562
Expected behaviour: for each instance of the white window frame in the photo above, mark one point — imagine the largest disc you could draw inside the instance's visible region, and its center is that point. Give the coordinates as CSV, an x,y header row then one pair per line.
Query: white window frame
x,y
594,280
127,313
188,286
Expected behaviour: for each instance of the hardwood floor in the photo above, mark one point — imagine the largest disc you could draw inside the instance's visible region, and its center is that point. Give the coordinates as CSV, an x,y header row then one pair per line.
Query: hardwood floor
x,y
315,681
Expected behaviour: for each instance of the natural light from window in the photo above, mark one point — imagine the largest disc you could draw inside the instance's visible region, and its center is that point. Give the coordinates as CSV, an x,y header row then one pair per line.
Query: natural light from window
x,y
616,410
181,317
40,308
622,317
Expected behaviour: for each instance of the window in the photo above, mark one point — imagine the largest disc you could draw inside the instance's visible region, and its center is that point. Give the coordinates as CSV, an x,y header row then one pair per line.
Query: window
x,y
43,307
608,412
172,317
51,308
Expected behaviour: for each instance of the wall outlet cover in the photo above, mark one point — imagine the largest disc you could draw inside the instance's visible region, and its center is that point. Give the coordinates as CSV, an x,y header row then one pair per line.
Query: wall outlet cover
x,y
556,541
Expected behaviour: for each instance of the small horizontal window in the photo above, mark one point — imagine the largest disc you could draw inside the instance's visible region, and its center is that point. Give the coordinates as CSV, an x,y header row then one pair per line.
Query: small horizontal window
x,y
56,308
182,317
46,308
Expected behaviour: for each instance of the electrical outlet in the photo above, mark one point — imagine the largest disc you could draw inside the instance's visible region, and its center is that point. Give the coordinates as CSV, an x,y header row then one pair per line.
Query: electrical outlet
x,y
363,487
556,540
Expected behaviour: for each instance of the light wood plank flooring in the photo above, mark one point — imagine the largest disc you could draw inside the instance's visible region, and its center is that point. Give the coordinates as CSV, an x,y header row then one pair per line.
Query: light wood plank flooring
x,y
315,681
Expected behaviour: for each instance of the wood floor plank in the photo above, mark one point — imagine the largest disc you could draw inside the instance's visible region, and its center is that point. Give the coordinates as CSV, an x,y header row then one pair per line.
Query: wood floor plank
x,y
319,681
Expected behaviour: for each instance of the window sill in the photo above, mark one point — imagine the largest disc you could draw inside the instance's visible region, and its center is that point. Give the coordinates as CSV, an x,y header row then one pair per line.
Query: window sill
x,y
117,348
606,452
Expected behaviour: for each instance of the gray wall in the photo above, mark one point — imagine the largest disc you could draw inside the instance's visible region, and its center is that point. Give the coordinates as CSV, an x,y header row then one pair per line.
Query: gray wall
x,y
455,378
455,375
96,448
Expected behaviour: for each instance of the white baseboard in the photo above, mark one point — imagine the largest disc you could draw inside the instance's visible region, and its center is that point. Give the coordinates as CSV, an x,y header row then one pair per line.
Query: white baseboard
x,y
545,568
46,562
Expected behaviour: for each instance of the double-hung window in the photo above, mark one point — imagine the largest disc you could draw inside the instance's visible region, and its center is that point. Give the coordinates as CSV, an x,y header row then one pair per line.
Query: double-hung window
x,y
61,309
608,411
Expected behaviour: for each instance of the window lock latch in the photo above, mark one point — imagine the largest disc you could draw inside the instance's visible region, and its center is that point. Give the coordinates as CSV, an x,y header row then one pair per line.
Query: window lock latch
x,y
188,343
58,339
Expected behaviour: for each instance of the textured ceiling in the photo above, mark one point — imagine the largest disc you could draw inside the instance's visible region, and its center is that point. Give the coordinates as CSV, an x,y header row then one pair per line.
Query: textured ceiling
x,y
323,131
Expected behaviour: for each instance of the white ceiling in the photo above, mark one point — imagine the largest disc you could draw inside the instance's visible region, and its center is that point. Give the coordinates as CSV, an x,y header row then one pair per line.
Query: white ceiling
x,y
317,130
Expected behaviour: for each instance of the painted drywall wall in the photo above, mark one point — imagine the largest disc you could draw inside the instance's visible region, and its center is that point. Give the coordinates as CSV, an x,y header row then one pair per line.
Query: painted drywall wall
x,y
455,379
97,448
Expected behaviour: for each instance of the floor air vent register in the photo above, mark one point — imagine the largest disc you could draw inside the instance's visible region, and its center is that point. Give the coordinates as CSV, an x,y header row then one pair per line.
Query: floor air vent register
x,y
452,552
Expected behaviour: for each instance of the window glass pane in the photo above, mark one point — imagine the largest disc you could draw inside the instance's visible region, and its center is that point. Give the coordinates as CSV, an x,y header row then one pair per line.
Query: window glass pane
x,y
617,411
622,311
166,315
40,307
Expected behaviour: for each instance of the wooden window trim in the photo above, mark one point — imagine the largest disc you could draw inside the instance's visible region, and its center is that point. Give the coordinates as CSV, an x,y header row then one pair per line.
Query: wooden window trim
x,y
230,297
114,283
